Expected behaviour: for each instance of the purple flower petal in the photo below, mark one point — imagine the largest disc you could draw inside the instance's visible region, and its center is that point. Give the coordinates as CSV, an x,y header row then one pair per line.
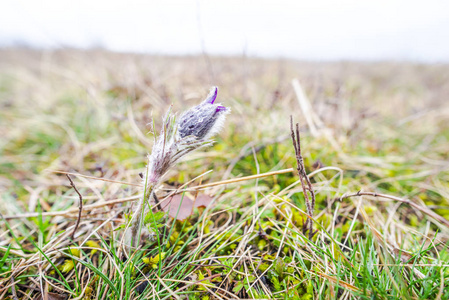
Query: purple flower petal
x,y
212,95
220,108
204,120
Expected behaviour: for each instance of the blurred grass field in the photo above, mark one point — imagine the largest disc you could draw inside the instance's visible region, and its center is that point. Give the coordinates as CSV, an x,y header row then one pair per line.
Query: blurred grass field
x,y
381,127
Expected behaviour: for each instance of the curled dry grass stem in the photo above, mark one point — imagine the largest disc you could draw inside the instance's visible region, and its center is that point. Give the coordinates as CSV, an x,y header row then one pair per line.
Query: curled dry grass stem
x,y
423,209
134,198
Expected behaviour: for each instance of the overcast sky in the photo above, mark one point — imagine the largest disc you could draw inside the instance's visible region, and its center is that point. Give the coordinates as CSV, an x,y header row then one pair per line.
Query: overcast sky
x,y
315,29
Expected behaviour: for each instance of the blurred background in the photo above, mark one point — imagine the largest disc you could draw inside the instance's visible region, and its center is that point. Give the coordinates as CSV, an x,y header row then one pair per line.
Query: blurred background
x,y
305,30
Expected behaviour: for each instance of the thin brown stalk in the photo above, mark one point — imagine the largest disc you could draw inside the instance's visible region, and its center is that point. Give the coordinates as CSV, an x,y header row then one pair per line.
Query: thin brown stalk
x,y
305,181
80,207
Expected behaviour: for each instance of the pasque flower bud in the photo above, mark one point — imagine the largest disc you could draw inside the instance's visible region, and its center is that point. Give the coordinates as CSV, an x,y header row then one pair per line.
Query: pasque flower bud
x,y
193,130
204,120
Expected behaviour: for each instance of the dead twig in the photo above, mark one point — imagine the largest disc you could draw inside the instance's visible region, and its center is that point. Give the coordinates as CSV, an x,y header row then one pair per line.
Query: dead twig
x,y
80,207
423,209
305,181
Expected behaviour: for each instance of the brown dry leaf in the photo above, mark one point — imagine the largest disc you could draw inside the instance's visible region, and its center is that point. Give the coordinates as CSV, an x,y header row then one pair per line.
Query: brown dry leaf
x,y
181,206
202,201
178,206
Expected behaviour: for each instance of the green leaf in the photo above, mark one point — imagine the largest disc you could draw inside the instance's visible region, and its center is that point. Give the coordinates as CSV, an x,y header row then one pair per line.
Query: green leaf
x,y
157,217
276,284
238,287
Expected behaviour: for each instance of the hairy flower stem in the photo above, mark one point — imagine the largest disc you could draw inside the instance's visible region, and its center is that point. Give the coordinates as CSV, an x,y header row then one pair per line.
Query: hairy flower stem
x,y
136,223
